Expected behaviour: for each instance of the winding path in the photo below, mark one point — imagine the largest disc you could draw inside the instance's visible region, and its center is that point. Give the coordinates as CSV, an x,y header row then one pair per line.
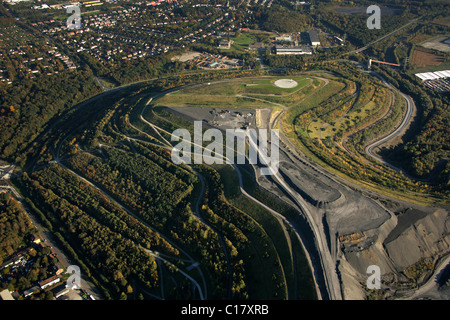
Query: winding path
x,y
326,259
332,281
410,108
157,255
431,283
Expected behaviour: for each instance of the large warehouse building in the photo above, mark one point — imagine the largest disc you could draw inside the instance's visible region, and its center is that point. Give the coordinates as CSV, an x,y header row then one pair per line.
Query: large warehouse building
x,y
437,80
293,50
314,38
433,75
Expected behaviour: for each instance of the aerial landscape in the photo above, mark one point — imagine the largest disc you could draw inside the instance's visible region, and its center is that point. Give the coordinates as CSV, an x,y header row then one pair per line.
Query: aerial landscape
x,y
235,150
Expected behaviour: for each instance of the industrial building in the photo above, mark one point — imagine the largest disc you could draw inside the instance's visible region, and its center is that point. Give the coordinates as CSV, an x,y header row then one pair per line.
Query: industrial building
x,y
433,75
437,80
49,282
284,38
293,50
256,46
314,38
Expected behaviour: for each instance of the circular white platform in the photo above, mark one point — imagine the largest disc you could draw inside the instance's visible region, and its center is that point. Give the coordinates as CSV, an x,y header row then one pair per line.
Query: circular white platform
x,y
285,83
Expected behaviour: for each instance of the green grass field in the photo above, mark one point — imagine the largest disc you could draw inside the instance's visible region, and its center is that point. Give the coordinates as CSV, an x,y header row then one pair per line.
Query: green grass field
x,y
321,111
228,94
243,39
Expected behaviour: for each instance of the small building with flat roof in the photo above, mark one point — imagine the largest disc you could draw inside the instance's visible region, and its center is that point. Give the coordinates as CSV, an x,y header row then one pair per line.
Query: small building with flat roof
x,y
48,282
225,44
6,295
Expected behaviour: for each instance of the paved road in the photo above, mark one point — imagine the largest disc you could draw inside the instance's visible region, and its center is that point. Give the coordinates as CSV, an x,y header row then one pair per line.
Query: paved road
x,y
410,108
327,261
328,265
50,241
431,283
222,242
157,256
281,217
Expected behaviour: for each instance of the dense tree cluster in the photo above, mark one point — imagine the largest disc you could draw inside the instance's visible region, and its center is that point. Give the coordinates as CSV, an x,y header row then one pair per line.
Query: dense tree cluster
x,y
158,197
428,142
107,256
136,180
355,26
15,226
104,210
285,21
331,151
31,105
231,222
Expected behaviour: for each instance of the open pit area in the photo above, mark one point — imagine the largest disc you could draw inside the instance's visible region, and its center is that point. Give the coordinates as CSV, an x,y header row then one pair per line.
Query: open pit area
x,y
354,224
220,118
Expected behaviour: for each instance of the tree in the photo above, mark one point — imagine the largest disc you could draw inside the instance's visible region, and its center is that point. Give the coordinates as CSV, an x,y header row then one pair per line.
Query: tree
x,y
49,295
129,289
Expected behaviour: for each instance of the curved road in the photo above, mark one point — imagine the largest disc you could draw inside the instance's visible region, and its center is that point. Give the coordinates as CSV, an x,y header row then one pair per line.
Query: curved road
x,y
431,283
191,260
328,264
410,108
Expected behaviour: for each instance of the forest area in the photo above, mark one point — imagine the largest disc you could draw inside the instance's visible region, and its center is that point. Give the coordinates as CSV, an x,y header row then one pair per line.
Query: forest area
x,y
15,226
110,242
127,215
31,106
428,140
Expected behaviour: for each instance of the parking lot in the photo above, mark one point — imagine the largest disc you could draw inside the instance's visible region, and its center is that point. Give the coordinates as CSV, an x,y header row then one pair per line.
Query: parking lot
x,y
441,85
220,118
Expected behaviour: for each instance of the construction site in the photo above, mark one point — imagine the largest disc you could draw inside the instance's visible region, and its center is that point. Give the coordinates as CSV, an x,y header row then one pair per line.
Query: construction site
x,y
214,61
221,118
